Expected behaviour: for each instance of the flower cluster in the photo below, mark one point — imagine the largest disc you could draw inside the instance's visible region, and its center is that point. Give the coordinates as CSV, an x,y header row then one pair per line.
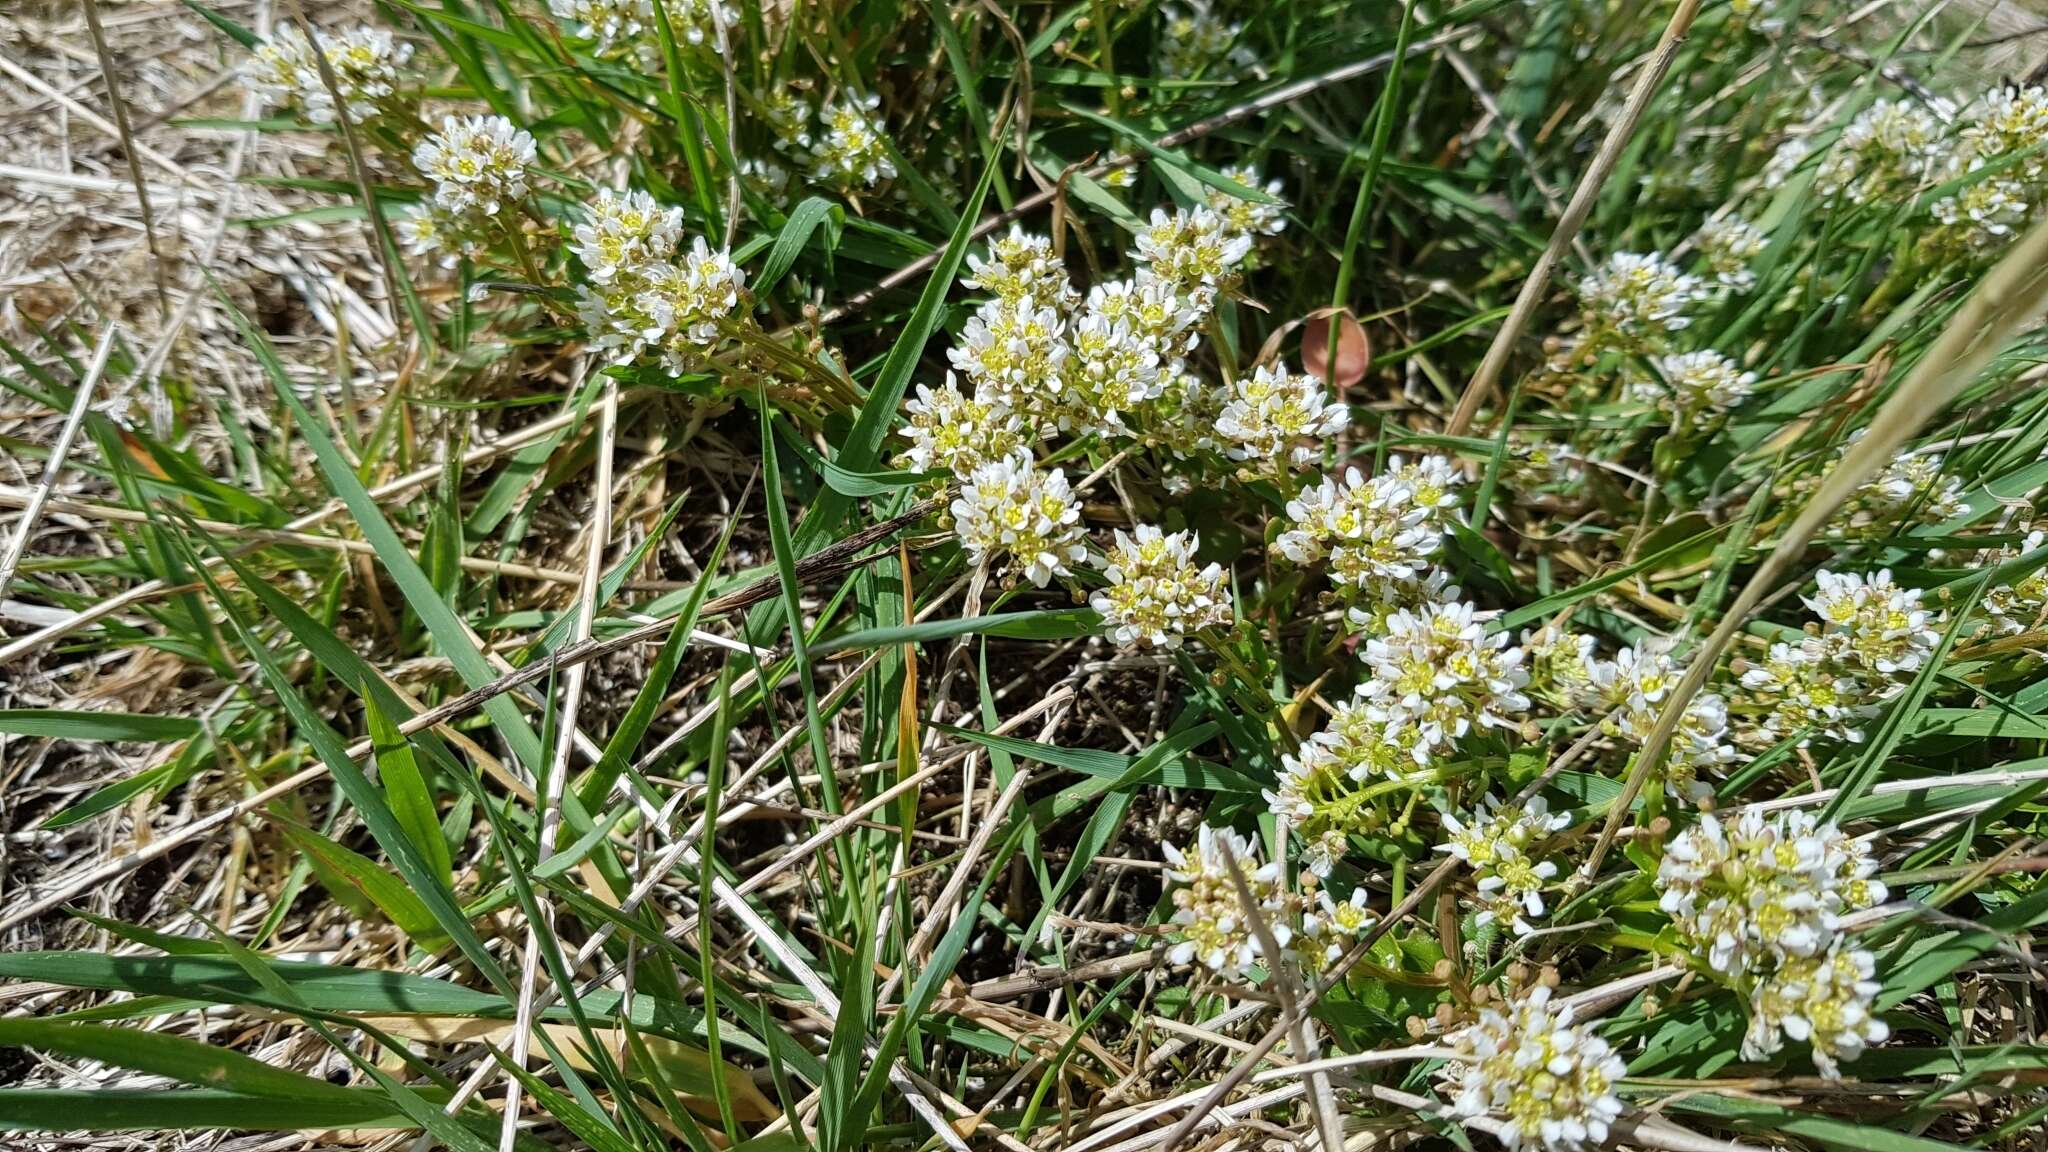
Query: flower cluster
x,y
1194,251
1640,297
1764,898
1156,594
2004,132
627,28
478,168
1379,534
1272,415
1872,636
956,433
1249,217
853,150
642,296
1497,842
1727,244
1760,889
1196,42
1552,1083
1824,1000
1332,788
1011,510
364,61
1438,670
1889,148
2020,605
477,164
1215,927
1695,387
1629,690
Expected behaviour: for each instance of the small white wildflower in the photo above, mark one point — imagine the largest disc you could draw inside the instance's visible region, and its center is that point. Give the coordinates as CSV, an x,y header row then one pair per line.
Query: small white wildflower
x,y
1010,511
614,27
1826,1000
957,433
427,229
1273,414
1192,250
1332,922
1639,295
789,118
1804,690
853,152
1552,1083
1110,370
364,60
1249,217
1727,245
690,300
477,163
765,177
1438,669
1152,309
1380,533
1760,890
623,233
1792,152
1365,743
2020,605
1873,621
1021,267
1125,162
1156,594
1892,146
1208,913
1695,385
1911,488
1196,41
1496,843
1015,352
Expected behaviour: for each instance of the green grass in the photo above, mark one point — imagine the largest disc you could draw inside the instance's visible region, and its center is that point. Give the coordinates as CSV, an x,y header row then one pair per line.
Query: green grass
x,y
861,845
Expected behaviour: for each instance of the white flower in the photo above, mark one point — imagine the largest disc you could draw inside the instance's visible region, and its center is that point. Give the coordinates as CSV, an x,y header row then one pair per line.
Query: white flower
x,y
427,229
1728,244
1249,217
1332,921
1808,691
1639,295
853,151
1151,308
1551,1083
1912,489
1891,146
613,27
958,433
1380,533
1197,42
1696,384
1873,621
1212,921
1826,1000
2019,605
1110,369
1010,511
1365,742
623,234
1496,842
1438,669
1762,890
1156,594
1021,267
1272,414
1015,352
476,163
688,300
1792,152
1192,250
365,62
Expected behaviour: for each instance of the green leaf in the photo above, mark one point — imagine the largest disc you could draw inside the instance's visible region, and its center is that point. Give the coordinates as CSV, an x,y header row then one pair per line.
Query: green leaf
x,y
235,32
61,724
412,804
155,1109
796,232
162,1054
869,483
390,894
